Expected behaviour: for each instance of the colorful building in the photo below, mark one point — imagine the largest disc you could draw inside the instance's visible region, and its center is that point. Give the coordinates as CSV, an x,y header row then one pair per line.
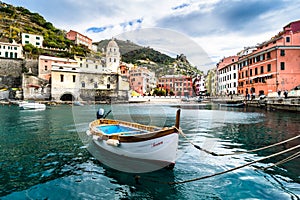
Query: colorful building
x,y
273,65
78,39
180,85
46,62
141,80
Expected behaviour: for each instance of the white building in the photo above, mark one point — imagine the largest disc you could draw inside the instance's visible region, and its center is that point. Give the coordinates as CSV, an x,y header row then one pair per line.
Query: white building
x,y
65,82
113,56
35,40
227,70
10,50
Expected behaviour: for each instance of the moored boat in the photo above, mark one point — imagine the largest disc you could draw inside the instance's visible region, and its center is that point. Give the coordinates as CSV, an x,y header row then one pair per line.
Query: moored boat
x,y
31,106
235,105
133,147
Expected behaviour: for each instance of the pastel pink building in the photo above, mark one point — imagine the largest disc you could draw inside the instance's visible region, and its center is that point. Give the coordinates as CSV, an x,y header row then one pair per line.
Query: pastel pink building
x,y
273,65
141,80
78,39
46,62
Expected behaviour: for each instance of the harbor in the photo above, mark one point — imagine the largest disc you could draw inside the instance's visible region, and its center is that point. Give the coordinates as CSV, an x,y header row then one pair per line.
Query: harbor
x,y
48,158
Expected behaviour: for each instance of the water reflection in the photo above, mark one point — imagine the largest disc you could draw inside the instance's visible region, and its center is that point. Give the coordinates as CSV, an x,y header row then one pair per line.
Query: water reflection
x,y
43,154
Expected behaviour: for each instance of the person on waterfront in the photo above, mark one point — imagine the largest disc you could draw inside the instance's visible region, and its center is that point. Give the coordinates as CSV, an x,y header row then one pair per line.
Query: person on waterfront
x,y
279,92
285,94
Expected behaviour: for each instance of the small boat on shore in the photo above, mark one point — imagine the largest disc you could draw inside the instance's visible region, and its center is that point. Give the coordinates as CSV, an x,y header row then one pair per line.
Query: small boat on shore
x,y
133,147
235,105
31,106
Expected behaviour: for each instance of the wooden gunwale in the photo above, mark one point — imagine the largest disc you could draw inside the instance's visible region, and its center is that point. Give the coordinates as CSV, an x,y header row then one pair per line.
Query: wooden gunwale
x,y
154,132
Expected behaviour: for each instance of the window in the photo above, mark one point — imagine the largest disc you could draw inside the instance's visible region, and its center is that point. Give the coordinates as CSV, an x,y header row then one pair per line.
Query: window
x,y
37,44
46,67
287,39
61,78
83,84
26,36
37,38
15,48
269,55
26,42
74,78
255,71
262,69
250,72
95,85
282,67
269,67
282,53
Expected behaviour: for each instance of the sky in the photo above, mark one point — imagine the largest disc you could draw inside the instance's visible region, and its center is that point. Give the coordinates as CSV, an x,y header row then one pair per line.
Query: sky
x,y
204,30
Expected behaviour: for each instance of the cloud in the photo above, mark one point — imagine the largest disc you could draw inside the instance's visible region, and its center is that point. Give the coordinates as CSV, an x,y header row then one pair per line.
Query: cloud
x,y
180,6
99,29
242,17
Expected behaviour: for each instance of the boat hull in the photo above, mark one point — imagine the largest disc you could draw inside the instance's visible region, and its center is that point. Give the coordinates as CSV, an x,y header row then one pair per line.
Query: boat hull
x,y
32,106
136,157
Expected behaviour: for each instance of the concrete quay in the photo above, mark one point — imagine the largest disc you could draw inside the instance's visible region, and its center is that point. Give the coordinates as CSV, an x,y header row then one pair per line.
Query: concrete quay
x,y
287,104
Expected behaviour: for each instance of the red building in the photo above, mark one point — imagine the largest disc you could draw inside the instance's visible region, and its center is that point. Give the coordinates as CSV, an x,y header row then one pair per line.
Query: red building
x,y
79,39
273,65
178,84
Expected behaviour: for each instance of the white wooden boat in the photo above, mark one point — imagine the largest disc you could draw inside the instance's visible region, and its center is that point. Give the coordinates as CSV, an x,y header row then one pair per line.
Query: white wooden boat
x,y
31,106
132,147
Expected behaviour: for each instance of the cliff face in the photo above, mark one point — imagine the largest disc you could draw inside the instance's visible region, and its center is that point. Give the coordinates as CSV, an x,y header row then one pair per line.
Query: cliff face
x,y
11,71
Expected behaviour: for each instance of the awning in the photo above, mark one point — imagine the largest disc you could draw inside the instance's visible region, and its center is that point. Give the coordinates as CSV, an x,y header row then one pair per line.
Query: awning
x,y
262,75
33,85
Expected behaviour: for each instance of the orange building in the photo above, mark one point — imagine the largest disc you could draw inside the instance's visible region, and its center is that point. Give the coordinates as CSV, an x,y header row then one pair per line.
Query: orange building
x,y
79,39
273,65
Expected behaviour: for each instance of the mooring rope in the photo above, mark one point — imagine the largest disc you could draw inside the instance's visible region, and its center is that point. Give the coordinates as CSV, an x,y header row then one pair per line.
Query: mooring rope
x,y
291,157
235,153
236,168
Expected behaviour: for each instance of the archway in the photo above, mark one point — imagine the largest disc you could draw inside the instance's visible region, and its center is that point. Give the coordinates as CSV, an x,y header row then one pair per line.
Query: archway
x,y
67,97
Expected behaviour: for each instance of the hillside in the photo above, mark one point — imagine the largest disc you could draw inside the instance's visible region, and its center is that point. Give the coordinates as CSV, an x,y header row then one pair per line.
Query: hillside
x,y
16,20
155,61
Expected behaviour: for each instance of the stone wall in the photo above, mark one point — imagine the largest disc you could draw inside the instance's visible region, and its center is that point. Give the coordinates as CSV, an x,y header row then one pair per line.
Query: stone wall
x,y
11,71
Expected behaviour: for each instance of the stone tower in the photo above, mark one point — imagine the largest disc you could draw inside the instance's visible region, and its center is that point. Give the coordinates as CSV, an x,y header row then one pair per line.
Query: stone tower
x,y
112,56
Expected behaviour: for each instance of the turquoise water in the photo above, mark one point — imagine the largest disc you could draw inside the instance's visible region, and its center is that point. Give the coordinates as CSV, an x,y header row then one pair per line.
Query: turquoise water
x,y
43,156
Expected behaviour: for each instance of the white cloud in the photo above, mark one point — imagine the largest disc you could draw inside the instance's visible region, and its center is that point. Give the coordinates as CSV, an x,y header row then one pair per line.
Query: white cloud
x,y
220,27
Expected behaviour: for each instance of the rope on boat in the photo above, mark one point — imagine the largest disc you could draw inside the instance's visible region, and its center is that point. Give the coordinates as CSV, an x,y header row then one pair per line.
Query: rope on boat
x,y
235,153
236,168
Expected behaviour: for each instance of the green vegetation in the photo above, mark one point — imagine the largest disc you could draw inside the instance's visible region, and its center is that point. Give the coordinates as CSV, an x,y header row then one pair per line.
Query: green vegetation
x,y
17,20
